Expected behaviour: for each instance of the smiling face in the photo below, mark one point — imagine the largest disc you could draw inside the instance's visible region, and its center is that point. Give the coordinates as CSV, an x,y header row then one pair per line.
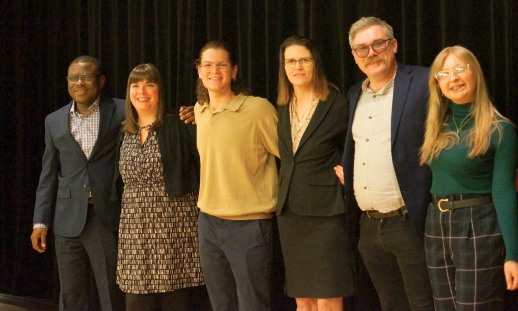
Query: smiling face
x,y
377,66
458,87
300,75
144,96
85,93
214,79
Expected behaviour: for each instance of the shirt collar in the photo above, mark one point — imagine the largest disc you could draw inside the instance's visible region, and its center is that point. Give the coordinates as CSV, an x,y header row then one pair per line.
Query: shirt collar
x,y
234,105
93,108
383,91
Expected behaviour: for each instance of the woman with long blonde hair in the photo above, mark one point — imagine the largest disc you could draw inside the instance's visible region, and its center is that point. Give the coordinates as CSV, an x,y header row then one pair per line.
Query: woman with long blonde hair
x,y
471,226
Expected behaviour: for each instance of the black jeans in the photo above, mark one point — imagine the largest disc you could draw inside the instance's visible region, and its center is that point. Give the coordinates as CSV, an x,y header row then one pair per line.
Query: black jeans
x,y
395,258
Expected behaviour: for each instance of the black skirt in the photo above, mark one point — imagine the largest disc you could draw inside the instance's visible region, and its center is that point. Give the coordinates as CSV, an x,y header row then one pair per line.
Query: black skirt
x,y
317,255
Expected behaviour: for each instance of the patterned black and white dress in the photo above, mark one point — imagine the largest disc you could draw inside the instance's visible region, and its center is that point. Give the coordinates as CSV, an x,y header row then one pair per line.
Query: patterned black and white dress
x,y
158,244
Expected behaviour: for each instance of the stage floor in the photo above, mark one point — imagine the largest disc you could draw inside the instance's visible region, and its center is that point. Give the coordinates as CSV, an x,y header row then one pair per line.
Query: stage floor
x,y
14,303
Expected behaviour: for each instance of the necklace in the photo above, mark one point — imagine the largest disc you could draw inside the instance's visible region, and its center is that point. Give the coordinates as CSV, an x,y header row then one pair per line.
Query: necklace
x,y
462,123
299,125
140,128
305,116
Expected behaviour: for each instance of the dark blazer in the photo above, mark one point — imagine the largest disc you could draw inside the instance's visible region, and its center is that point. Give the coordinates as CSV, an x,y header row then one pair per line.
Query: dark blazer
x,y
407,133
67,175
307,182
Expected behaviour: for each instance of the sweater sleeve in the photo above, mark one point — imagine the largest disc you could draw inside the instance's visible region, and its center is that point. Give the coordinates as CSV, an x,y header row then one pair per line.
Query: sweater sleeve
x,y
504,195
268,127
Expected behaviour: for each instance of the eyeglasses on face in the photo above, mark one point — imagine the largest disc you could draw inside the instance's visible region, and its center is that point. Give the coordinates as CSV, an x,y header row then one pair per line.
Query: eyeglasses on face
x,y
446,73
219,67
86,78
304,61
378,46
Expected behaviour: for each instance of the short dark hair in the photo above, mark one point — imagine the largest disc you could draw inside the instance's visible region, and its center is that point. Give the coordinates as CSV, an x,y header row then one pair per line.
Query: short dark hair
x,y
89,59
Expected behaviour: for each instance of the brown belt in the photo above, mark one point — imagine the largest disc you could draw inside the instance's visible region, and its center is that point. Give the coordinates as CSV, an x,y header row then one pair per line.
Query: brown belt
x,y
455,201
377,215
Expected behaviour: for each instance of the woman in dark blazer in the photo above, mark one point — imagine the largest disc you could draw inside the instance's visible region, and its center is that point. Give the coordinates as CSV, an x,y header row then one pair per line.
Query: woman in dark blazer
x,y
311,208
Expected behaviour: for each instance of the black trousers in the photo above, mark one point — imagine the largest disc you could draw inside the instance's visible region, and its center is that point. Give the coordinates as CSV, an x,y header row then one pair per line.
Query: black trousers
x,y
177,300
93,251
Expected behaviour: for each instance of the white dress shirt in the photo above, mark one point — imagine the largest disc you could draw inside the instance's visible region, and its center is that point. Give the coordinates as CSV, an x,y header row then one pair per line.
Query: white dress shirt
x,y
375,182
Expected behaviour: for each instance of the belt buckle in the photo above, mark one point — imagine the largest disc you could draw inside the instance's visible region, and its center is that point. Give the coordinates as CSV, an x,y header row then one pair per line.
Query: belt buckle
x,y
439,205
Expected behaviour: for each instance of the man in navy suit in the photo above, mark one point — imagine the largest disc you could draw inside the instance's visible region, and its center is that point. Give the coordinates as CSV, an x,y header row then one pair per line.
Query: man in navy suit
x,y
74,190
382,174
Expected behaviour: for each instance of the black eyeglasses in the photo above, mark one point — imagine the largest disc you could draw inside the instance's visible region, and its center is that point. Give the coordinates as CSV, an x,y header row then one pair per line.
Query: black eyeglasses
x,y
304,61
86,78
378,46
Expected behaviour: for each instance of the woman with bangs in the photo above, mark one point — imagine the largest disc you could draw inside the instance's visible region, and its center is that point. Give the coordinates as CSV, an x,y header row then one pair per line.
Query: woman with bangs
x,y
157,178
471,228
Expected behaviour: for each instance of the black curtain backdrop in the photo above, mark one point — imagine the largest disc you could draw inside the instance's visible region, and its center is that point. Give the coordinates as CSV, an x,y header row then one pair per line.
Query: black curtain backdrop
x,y
38,39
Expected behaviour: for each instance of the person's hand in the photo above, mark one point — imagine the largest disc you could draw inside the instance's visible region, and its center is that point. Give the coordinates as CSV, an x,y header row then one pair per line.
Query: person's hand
x,y
339,172
187,114
39,239
511,274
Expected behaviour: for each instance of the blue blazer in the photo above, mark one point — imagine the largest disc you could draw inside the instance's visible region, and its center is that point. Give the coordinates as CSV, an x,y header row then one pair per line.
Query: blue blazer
x,y
307,182
67,175
409,108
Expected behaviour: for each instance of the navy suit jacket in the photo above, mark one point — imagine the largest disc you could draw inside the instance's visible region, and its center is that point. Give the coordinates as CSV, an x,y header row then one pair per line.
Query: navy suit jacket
x,y
67,175
409,108
307,181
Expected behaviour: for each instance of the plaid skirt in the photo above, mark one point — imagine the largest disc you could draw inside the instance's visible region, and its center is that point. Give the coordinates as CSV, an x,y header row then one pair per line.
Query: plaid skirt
x,y
465,256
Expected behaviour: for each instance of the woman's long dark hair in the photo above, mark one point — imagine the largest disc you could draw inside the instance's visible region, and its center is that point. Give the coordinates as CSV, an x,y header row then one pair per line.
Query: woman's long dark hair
x,y
149,73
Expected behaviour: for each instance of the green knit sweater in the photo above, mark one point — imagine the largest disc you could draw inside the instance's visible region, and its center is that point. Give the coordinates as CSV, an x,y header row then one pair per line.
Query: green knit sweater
x,y
455,173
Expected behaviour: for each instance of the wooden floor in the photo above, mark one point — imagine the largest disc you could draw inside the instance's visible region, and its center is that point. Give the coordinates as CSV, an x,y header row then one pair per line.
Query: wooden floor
x,y
13,303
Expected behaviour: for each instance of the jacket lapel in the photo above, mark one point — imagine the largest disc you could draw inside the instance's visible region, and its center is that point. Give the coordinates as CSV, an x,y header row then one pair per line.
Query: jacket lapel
x,y
319,114
105,118
401,87
63,126
355,94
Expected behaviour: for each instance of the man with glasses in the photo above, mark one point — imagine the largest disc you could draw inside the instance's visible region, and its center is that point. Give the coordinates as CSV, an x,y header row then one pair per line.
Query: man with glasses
x,y
74,190
382,174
